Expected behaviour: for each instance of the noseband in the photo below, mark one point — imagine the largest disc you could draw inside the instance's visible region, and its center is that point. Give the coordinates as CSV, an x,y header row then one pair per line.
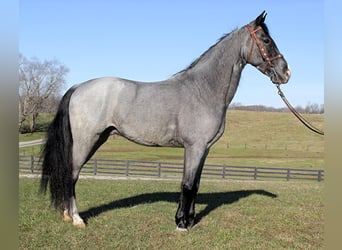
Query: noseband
x,y
262,51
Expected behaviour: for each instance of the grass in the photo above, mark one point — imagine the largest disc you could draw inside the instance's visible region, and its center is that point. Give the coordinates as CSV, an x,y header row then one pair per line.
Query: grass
x,y
31,136
137,214
268,139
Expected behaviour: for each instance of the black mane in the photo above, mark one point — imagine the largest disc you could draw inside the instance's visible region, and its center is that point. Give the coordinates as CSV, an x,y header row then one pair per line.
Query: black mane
x,y
193,64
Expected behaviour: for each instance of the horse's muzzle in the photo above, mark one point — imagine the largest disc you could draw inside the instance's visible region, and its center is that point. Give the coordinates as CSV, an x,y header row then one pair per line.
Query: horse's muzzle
x,y
278,78
287,76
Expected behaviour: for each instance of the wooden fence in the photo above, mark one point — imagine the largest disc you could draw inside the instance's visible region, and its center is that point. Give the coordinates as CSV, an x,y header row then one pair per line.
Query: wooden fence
x,y
132,168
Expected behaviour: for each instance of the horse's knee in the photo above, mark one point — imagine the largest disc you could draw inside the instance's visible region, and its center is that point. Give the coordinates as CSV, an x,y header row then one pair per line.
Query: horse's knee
x,y
189,189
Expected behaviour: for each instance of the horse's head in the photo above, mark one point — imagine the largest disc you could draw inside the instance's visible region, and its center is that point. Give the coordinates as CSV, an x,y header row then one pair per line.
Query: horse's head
x,y
262,52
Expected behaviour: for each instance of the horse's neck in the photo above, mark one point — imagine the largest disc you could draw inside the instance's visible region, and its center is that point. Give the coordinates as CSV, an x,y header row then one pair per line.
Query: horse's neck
x,y
219,72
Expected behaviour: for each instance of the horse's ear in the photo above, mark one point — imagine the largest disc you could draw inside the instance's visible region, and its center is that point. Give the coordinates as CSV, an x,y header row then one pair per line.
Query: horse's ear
x,y
260,19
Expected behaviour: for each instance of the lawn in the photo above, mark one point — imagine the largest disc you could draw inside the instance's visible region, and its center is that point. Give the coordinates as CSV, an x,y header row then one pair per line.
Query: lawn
x,y
139,214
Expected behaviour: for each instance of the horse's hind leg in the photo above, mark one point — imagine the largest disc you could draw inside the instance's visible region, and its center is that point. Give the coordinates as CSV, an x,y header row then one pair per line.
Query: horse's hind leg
x,y
70,209
82,151
71,213
76,219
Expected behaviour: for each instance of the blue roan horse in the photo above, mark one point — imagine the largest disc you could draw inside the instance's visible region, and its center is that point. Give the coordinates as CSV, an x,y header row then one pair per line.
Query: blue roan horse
x,y
188,110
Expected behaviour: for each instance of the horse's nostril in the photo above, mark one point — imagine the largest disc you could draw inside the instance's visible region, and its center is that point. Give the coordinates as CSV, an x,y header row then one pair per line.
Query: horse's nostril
x,y
288,73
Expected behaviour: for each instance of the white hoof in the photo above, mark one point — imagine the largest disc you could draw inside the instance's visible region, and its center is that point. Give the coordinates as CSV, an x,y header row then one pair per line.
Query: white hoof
x,y
78,222
181,229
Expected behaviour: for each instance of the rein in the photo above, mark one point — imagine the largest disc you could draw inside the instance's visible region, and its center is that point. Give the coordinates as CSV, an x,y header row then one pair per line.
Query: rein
x,y
300,118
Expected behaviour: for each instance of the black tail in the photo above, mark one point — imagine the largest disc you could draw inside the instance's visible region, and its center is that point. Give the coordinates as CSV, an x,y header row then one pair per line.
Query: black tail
x,y
57,156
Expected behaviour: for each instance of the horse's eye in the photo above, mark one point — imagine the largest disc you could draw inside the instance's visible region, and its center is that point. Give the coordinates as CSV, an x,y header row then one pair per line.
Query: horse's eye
x,y
267,40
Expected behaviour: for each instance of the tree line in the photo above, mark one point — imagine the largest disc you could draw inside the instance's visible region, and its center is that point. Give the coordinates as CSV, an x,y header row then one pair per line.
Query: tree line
x,y
310,108
41,83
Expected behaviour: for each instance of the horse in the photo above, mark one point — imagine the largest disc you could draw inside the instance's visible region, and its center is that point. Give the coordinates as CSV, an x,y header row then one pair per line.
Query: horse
x,y
187,110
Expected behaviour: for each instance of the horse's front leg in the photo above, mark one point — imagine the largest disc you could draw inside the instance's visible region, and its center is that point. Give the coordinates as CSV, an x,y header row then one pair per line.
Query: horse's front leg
x,y
193,164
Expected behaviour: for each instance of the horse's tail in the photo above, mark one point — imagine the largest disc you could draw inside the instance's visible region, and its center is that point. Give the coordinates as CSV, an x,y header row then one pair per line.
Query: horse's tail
x,y
57,156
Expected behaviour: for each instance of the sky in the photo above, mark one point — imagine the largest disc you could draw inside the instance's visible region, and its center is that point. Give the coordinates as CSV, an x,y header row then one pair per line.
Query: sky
x,y
151,40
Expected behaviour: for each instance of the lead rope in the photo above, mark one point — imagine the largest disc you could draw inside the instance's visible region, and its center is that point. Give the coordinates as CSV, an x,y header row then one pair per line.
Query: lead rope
x,y
300,118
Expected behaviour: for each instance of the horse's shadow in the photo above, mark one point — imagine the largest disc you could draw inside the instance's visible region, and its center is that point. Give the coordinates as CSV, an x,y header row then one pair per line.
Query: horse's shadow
x,y
212,200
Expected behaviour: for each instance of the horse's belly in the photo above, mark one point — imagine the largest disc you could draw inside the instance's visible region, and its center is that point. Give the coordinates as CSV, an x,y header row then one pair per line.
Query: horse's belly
x,y
158,143
152,135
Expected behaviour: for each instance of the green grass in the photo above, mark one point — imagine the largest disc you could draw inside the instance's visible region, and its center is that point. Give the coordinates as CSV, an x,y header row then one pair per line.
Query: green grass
x,y
267,139
31,136
133,214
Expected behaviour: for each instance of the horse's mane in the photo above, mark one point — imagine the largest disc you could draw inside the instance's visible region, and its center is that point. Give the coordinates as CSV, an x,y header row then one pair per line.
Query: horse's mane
x,y
193,64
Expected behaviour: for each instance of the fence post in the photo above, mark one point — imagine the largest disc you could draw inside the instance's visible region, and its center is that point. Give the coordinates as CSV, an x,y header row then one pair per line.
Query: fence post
x,y
319,177
159,169
224,171
32,164
127,167
95,166
288,176
255,173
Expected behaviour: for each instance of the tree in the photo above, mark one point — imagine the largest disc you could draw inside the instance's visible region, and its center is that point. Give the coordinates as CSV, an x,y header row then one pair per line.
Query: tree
x,y
40,84
314,108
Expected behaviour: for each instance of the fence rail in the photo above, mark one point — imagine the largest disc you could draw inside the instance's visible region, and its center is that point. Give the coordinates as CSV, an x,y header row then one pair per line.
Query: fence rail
x,y
133,168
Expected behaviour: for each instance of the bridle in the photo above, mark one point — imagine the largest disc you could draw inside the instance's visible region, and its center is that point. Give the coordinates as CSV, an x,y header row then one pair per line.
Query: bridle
x,y
268,64
262,51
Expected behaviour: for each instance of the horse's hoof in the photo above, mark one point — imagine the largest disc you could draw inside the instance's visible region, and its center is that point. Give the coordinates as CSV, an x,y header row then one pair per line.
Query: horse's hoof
x,y
66,218
80,224
181,229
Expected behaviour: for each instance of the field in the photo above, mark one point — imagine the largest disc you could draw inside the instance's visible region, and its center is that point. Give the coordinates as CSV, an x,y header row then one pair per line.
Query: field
x,y
264,139
139,214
